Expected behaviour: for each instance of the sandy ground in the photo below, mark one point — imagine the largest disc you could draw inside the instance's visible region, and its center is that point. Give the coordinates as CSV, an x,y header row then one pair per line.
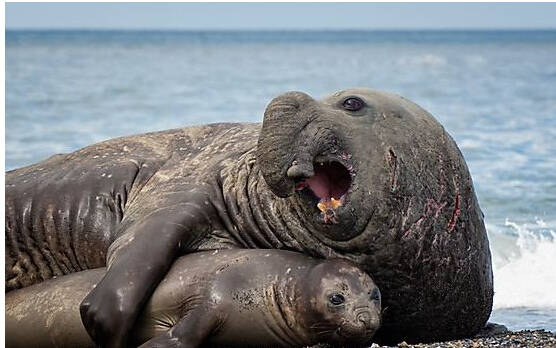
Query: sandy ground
x,y
526,338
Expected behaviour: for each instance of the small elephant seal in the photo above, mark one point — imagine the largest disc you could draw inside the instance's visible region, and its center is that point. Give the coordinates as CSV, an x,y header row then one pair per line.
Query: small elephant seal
x,y
361,174
230,297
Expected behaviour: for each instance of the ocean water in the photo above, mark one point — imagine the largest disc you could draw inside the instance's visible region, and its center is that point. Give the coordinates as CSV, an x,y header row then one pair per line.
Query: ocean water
x,y
494,91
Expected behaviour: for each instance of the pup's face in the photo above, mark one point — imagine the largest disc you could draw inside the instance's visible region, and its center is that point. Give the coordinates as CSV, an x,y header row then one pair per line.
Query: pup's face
x,y
345,303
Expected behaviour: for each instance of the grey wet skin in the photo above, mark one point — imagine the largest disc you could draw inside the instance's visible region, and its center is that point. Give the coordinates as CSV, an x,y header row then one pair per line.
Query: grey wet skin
x,y
404,209
238,297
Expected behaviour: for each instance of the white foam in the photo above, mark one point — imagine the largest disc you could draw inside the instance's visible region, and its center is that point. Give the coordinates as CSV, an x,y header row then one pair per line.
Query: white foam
x,y
525,275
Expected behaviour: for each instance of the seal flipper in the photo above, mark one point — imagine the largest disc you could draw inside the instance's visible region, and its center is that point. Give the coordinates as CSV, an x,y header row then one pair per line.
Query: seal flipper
x,y
138,261
190,332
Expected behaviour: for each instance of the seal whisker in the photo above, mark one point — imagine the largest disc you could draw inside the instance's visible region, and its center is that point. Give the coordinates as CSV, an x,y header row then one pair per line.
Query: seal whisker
x,y
323,326
321,332
325,333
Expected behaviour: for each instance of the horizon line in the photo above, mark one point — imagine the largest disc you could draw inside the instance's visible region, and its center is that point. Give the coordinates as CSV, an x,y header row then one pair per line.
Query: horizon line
x,y
278,29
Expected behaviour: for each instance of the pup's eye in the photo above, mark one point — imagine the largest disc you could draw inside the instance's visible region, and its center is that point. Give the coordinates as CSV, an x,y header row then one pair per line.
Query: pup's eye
x,y
375,294
353,104
337,299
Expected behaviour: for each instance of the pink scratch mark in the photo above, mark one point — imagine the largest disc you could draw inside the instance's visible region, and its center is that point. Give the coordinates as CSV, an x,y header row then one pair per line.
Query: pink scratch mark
x,y
415,226
455,215
434,207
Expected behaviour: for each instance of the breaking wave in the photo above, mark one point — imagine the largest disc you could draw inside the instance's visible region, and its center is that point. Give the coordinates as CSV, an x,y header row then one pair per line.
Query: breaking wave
x,y
524,262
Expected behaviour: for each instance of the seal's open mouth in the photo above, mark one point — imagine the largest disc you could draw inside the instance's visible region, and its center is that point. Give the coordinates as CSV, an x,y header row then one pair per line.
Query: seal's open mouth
x,y
331,180
329,185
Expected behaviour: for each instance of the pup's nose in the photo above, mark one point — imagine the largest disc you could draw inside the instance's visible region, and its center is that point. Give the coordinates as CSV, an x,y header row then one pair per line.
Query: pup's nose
x,y
367,320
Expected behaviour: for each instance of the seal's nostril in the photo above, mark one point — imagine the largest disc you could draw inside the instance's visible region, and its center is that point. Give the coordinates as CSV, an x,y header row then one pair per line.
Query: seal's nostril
x,y
365,318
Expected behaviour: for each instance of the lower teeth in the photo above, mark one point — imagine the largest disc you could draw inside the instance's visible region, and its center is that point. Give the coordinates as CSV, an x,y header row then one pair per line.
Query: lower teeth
x,y
333,204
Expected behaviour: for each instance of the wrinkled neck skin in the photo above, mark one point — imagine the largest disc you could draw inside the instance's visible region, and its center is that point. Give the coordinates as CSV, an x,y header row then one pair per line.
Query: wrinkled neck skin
x,y
283,313
260,219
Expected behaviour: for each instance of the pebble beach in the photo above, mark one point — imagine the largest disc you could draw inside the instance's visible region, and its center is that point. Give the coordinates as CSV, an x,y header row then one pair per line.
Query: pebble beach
x,y
524,338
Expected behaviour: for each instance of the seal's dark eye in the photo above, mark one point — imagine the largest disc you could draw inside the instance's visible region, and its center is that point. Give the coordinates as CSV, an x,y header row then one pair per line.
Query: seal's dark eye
x,y
353,104
337,299
375,294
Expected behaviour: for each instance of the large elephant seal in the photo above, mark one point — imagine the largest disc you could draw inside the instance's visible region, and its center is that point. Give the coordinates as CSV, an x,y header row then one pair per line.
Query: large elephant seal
x,y
270,298
362,174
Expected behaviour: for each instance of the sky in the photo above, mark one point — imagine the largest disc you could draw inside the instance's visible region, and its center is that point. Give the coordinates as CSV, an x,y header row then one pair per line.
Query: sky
x,y
242,16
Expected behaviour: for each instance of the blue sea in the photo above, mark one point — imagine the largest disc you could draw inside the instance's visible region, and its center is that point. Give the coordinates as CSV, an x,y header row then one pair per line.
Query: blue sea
x,y
494,91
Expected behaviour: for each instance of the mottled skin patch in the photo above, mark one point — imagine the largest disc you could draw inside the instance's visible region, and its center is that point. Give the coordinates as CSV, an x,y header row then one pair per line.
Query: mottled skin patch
x,y
269,298
410,216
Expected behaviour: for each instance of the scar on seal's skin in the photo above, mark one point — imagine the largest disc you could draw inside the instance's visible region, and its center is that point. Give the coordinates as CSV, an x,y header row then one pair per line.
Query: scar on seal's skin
x,y
394,164
455,214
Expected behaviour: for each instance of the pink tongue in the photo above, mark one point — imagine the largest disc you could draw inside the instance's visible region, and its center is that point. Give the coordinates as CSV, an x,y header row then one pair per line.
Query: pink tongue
x,y
320,185
331,180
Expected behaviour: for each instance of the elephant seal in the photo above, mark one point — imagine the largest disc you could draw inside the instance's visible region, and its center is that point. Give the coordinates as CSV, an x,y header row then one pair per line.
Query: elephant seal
x,y
234,297
361,174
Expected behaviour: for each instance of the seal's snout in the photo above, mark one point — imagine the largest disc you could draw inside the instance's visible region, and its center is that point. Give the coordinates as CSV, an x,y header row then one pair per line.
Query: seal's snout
x,y
364,318
368,321
300,172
